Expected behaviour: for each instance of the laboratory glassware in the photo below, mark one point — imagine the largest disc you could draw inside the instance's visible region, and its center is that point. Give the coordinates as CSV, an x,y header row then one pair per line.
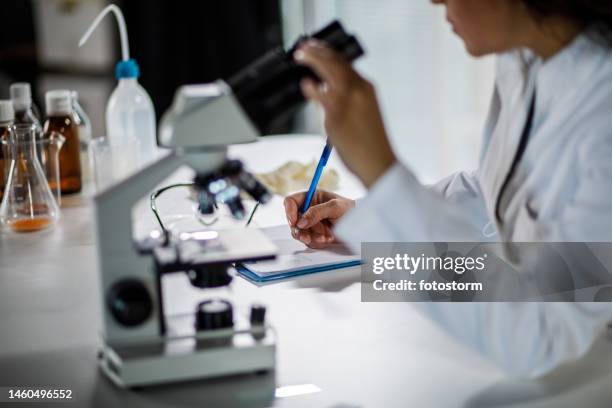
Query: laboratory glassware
x,y
25,110
48,152
84,125
112,162
130,115
7,115
60,118
28,203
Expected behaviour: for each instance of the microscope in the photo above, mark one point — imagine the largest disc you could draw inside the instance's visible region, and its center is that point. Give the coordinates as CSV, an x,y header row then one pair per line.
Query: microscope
x,y
141,344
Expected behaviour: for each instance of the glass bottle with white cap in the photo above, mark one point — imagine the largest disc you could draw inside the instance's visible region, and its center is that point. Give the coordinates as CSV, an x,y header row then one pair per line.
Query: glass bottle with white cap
x,y
7,115
26,111
60,119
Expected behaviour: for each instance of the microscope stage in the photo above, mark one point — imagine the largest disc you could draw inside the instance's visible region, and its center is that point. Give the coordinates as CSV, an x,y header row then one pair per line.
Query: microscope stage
x,y
200,248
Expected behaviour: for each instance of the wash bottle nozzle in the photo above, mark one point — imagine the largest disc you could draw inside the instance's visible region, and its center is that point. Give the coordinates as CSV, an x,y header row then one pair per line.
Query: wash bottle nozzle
x,y
125,47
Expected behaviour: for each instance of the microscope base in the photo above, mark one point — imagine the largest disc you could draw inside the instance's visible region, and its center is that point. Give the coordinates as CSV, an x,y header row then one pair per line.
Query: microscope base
x,y
181,360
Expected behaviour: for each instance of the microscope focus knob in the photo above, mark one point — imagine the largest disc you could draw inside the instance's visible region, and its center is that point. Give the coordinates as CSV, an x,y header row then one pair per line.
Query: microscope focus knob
x,y
130,302
214,314
210,276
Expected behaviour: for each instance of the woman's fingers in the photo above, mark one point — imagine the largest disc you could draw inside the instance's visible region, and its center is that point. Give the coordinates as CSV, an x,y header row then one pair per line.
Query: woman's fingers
x,y
325,209
323,61
313,91
329,210
319,236
314,228
318,244
291,212
293,204
336,74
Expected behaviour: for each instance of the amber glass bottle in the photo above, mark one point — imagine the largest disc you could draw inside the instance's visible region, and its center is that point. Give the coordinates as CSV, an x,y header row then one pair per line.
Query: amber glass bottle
x,y
6,120
60,119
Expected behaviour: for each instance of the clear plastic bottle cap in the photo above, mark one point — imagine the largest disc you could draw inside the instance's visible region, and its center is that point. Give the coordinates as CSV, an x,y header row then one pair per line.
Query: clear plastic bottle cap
x,y
58,102
6,110
21,95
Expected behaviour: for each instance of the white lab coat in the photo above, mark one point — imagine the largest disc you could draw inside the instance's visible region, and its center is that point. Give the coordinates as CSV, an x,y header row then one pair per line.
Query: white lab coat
x,y
562,191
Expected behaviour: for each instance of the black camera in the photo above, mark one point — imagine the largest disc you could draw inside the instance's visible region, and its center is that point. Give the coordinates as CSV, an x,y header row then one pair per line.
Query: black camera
x,y
269,88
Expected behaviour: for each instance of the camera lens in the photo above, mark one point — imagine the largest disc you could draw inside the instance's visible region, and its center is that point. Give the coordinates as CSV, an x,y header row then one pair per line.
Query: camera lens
x,y
269,89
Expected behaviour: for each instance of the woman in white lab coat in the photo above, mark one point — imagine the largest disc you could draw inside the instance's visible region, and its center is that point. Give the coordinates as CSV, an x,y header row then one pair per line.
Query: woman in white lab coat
x,y
545,172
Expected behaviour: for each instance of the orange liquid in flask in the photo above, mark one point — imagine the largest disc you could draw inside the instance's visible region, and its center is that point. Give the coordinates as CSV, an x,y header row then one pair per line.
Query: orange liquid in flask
x,y
29,224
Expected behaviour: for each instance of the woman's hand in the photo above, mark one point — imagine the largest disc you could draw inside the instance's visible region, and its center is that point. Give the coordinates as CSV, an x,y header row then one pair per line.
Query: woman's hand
x,y
353,121
314,227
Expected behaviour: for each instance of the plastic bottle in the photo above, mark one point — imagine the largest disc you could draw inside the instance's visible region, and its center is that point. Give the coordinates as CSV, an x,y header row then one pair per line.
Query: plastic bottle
x,y
60,118
7,115
84,124
129,114
130,117
25,111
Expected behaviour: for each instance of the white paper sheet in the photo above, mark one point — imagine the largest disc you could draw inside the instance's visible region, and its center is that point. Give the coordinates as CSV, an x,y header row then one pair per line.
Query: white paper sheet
x,y
294,256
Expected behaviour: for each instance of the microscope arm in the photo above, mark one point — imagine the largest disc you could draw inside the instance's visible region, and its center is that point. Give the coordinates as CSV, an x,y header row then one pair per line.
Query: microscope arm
x,y
202,121
117,257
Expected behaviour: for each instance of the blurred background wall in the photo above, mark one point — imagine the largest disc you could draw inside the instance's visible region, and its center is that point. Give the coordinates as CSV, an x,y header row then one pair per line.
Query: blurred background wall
x,y
434,96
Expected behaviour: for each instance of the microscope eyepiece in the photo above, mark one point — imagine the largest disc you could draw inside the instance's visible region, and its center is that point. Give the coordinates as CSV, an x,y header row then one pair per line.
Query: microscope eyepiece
x,y
269,88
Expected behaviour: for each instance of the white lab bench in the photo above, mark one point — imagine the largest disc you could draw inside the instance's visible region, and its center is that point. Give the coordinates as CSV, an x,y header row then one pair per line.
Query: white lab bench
x,y
357,354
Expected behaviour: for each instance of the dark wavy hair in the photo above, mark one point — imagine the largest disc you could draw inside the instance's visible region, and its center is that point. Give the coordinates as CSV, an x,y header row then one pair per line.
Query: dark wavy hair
x,y
594,15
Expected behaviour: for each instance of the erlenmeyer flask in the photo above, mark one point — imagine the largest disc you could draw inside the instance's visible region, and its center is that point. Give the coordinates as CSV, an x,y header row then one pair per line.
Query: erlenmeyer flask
x,y
28,204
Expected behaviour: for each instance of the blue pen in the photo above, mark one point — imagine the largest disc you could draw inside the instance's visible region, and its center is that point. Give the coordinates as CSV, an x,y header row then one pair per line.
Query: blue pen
x,y
317,175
